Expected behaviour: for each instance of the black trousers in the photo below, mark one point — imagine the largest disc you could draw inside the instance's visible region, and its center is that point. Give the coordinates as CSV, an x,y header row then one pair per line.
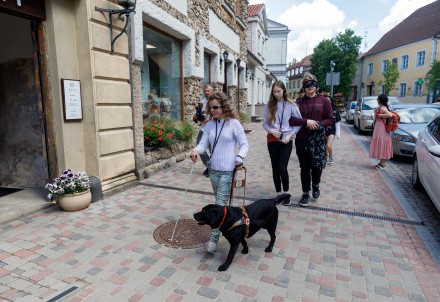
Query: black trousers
x,y
308,172
279,156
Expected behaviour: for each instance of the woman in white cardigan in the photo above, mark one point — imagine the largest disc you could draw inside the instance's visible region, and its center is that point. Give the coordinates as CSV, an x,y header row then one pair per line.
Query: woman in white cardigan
x,y
223,132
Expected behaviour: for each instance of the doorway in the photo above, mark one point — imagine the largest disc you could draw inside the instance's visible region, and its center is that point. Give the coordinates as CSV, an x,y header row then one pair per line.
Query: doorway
x,y
23,155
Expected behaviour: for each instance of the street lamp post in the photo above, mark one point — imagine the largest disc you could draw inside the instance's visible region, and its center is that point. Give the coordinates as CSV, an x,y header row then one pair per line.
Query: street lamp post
x,y
238,83
332,67
225,85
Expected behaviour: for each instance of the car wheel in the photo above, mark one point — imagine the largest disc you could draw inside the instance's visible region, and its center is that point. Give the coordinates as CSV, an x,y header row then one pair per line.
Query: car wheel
x,y
415,175
359,128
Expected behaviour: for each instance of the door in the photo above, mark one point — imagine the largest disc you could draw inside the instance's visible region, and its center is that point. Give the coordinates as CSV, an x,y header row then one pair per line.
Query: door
x,y
23,160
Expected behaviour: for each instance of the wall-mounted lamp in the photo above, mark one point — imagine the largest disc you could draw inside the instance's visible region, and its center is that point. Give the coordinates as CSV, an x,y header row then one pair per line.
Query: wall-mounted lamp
x,y
372,83
362,84
129,7
225,55
221,60
238,62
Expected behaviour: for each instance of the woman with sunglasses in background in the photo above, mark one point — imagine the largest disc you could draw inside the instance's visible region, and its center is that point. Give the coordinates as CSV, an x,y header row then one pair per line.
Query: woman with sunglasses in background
x,y
276,117
310,142
223,132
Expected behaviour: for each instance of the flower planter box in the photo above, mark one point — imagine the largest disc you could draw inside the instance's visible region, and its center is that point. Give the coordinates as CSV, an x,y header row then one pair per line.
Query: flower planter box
x,y
158,158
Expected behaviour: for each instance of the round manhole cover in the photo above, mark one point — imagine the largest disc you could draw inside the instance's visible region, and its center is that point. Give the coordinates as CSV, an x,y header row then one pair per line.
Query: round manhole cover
x,y
187,234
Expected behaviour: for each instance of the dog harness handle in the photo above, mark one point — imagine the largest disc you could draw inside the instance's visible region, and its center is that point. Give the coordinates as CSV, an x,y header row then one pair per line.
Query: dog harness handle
x,y
244,220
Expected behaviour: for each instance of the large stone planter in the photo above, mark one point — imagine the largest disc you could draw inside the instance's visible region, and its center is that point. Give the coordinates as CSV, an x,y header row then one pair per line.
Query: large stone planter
x,y
159,158
75,202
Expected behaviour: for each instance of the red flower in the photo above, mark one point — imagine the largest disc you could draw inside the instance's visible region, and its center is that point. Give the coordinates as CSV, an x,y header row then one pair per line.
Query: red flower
x,y
161,126
152,128
159,139
146,138
159,132
170,135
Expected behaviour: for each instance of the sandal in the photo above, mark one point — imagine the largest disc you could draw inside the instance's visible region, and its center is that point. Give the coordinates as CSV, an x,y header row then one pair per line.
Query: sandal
x,y
379,167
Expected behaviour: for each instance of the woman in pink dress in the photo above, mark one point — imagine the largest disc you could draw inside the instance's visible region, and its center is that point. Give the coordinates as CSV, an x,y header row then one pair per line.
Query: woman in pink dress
x,y
381,146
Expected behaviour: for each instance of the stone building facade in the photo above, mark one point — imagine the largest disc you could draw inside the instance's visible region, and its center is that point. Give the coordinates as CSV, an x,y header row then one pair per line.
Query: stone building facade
x,y
54,42
179,46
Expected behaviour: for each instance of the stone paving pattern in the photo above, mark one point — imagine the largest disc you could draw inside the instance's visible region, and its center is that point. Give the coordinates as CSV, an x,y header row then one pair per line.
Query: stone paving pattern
x,y
109,253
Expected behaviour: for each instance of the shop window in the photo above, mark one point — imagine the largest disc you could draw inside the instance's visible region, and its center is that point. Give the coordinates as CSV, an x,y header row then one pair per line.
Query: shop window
x,y
161,76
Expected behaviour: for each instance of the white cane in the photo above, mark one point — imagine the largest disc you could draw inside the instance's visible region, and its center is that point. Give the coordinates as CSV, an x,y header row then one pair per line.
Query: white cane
x,y
184,195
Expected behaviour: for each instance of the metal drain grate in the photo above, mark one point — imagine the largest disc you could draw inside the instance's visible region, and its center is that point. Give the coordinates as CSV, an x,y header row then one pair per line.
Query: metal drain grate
x,y
63,294
349,213
360,214
187,234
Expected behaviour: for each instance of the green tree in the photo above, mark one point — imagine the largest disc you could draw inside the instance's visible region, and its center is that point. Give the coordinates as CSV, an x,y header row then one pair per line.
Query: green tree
x,y
344,51
434,78
390,77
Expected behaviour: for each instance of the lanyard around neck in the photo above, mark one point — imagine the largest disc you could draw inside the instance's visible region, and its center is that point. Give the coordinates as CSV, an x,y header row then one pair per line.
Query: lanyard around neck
x,y
282,115
216,137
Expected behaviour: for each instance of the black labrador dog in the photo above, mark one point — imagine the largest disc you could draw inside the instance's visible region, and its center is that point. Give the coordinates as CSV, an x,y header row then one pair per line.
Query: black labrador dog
x,y
231,221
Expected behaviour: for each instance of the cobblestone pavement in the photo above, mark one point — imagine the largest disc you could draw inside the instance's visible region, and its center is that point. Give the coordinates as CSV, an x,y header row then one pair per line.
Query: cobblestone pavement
x,y
356,243
399,171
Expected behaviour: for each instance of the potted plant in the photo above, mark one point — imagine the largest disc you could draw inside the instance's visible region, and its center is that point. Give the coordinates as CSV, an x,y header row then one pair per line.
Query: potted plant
x,y
70,190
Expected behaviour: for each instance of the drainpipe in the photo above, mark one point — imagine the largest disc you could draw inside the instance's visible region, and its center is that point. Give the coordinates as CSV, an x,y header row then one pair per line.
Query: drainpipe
x,y
362,74
434,48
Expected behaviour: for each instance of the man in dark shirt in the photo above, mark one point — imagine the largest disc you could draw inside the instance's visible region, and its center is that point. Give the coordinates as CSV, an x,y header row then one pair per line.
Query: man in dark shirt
x,y
310,141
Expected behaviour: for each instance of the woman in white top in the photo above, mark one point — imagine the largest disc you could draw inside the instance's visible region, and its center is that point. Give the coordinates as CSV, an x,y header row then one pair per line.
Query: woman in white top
x,y
276,117
223,132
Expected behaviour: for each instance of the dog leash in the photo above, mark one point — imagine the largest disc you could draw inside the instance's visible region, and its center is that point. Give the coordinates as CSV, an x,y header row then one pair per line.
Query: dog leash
x,y
184,195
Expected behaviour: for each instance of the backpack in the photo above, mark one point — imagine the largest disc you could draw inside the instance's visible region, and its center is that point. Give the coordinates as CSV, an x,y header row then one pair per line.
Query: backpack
x,y
392,123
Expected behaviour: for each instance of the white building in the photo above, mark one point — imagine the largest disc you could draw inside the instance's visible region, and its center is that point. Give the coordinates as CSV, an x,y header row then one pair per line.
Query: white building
x,y
258,78
277,49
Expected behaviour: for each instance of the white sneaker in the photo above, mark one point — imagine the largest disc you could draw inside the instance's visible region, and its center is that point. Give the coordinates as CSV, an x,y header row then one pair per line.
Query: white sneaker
x,y
211,247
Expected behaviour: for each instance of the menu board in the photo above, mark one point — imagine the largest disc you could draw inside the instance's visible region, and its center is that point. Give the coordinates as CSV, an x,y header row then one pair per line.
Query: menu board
x,y
71,99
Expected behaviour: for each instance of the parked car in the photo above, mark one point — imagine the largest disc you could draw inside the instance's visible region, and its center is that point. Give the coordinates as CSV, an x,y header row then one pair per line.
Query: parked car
x,y
413,118
426,160
364,111
349,114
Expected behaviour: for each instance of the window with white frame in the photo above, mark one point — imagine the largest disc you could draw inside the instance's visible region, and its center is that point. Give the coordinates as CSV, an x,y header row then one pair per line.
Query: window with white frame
x,y
404,60
258,42
420,58
402,89
417,91
384,66
370,69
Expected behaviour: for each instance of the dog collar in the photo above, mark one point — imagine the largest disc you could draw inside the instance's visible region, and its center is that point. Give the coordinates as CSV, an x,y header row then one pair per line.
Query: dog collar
x,y
224,217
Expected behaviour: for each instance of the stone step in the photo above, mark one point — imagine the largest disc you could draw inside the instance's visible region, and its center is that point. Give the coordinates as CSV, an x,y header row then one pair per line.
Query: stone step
x,y
256,119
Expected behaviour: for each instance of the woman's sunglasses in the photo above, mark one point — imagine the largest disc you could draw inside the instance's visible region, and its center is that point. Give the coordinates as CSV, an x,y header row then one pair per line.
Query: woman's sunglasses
x,y
309,84
215,107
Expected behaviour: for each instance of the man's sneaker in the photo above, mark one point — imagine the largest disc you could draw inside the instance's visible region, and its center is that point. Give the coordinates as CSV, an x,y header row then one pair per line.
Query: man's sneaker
x,y
304,202
315,192
211,247
206,172
330,160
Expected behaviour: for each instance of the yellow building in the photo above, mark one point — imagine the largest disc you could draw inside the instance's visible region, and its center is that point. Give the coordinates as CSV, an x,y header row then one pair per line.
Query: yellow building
x,y
413,46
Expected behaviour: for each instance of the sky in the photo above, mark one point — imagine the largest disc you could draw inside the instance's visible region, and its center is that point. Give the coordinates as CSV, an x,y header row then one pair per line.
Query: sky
x,y
311,21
